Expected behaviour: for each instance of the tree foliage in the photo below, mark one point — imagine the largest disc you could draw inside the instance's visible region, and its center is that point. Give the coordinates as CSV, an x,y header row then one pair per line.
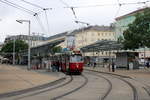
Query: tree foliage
x,y
120,39
138,33
56,49
19,46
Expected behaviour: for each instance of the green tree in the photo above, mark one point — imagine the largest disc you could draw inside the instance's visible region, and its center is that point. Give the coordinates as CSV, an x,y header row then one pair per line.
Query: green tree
x,y
7,49
19,46
120,39
138,33
56,49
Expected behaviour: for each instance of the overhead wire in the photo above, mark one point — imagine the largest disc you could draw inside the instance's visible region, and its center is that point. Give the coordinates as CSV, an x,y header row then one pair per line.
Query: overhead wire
x,y
88,6
67,6
70,7
25,10
64,3
47,21
118,11
40,23
17,7
119,4
32,4
74,13
44,9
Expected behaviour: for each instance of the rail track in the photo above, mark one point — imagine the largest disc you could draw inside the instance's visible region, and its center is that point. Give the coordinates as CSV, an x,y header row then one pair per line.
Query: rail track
x,y
47,89
36,88
120,77
109,87
74,90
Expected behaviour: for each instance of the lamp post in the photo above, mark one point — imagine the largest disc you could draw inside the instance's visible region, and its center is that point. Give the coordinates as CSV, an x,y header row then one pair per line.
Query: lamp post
x,y
29,41
14,50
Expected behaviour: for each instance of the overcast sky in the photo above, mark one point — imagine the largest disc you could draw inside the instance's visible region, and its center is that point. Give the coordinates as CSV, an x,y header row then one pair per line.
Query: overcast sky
x,y
61,19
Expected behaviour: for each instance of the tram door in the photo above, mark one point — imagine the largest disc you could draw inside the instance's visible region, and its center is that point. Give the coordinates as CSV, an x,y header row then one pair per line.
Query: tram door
x,y
67,62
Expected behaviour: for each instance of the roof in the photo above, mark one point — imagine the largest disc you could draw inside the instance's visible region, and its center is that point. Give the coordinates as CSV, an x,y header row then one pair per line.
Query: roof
x,y
35,37
131,13
96,27
43,49
102,45
76,31
57,35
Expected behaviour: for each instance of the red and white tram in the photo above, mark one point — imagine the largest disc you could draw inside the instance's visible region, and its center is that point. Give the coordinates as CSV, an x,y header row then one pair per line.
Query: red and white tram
x,y
71,62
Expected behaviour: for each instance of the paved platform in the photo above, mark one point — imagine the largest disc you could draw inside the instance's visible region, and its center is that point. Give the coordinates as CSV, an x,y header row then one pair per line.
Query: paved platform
x,y
142,75
14,78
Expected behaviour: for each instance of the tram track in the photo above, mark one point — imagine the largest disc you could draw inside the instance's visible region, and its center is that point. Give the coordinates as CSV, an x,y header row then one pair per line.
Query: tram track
x,y
36,88
72,91
109,87
46,90
135,93
145,87
120,77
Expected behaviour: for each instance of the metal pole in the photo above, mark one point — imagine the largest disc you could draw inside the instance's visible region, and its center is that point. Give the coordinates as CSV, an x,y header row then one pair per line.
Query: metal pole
x,y
14,51
109,61
29,42
144,57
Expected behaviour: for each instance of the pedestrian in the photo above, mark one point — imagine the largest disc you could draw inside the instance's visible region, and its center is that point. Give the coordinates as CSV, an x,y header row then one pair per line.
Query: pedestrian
x,y
57,66
94,65
113,67
147,64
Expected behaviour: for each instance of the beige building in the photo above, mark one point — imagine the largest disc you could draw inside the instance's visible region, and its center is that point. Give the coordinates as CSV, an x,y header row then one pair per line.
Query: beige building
x,y
86,36
92,34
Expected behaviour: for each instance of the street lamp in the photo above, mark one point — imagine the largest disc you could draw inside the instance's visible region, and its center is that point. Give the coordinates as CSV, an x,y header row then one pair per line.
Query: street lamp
x,y
14,50
29,41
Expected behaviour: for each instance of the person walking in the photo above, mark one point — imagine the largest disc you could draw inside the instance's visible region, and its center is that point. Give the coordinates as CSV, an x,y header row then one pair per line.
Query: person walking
x,y
94,65
147,64
113,67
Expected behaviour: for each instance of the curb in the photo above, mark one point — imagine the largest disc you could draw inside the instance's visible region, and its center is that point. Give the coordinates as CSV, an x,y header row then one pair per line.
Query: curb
x,y
19,92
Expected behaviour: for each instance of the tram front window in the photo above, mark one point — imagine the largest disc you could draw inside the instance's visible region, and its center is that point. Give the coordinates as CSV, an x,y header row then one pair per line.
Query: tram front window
x,y
76,58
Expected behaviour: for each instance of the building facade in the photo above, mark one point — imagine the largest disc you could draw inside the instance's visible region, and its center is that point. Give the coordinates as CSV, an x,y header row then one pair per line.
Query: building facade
x,y
121,25
87,36
90,35
35,40
122,22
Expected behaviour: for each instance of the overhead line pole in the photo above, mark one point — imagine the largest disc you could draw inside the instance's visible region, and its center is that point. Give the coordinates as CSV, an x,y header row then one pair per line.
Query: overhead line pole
x,y
29,41
14,50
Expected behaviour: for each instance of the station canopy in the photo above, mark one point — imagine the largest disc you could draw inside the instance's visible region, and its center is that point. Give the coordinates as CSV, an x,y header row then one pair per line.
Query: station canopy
x,y
102,45
44,48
